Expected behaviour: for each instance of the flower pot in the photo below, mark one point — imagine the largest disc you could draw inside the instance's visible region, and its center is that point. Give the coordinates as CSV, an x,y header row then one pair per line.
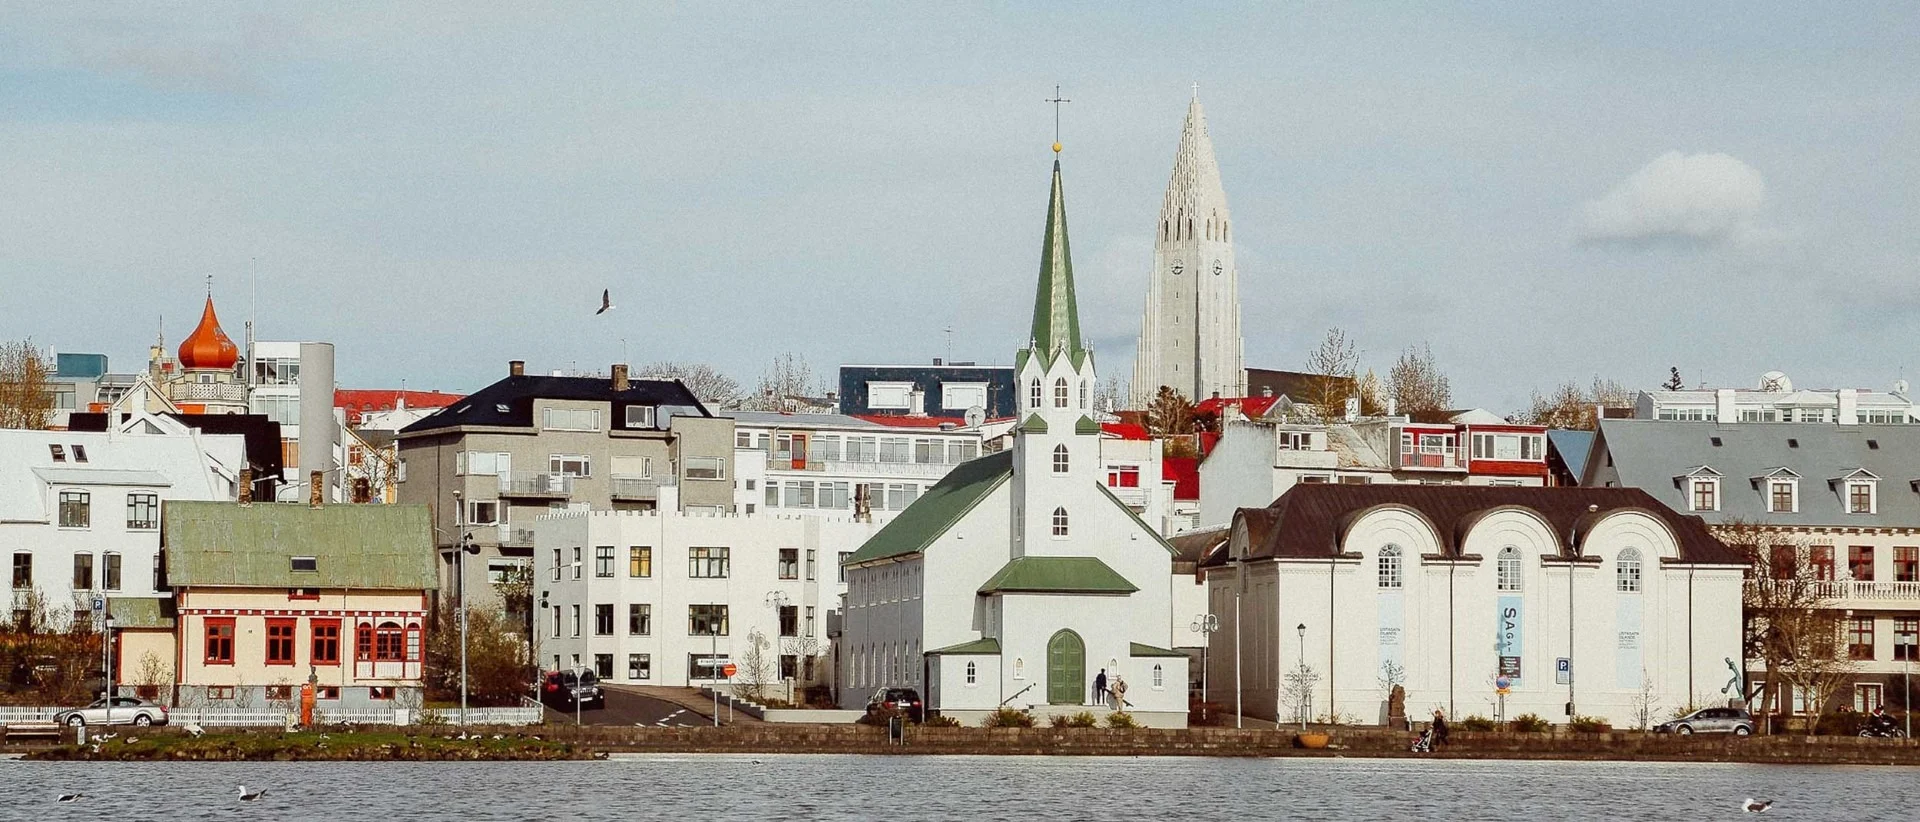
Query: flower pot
x,y
1311,740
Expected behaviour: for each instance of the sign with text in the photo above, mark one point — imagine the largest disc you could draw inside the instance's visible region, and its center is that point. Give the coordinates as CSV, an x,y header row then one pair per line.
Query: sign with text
x,y
1563,671
1508,643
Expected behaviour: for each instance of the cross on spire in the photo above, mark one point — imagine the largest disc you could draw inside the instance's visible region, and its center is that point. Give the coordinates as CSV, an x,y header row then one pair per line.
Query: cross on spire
x,y
209,285
1056,101
1196,90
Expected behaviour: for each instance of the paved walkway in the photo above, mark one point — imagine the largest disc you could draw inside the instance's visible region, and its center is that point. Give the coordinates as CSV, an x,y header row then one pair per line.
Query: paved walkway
x,y
692,700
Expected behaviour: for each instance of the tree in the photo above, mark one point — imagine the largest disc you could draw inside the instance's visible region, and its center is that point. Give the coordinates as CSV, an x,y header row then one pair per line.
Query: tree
x,y
788,376
1568,406
1418,388
1296,691
516,600
1373,400
1333,365
496,657
751,679
1110,394
1674,382
1791,629
26,401
705,381
1170,418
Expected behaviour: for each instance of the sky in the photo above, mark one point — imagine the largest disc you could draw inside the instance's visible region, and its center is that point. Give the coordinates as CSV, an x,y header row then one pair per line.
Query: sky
x,y
1540,192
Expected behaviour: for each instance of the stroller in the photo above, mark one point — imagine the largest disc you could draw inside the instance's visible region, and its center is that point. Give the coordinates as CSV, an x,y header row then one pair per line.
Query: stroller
x,y
1423,743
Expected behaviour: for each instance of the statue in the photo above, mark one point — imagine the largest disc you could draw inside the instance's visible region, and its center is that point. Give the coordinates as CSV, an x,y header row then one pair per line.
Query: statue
x,y
1397,707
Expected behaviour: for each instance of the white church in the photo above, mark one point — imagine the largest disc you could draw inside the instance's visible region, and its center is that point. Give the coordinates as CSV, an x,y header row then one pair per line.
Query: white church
x,y
1019,577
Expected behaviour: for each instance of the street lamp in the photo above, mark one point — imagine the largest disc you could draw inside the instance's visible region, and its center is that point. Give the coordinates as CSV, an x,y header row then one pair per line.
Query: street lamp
x,y
586,650
779,600
460,565
1204,625
1306,691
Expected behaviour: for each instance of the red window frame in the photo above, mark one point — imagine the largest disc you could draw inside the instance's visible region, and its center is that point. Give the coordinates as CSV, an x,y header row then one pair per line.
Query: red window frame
x,y
218,641
363,642
325,641
307,594
1822,562
1860,562
280,637
1123,478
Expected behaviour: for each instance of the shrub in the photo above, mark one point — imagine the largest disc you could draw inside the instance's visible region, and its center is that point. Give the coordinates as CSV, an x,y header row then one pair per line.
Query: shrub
x,y
1527,724
1590,725
1121,719
942,722
1205,714
1057,720
1476,722
1008,718
1083,719
1841,723
879,715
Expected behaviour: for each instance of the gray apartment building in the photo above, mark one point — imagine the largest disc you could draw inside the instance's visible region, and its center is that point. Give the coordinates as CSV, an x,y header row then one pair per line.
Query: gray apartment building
x,y
493,462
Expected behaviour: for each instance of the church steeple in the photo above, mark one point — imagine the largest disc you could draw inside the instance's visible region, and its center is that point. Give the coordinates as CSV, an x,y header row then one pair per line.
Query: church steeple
x,y
1196,202
1056,316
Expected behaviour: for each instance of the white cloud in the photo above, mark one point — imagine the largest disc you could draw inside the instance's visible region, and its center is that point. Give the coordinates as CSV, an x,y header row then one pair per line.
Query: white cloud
x,y
1704,199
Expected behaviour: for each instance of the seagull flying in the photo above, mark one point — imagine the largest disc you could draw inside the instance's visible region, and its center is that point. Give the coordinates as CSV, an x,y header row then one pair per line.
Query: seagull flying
x,y
250,797
71,797
606,301
1756,806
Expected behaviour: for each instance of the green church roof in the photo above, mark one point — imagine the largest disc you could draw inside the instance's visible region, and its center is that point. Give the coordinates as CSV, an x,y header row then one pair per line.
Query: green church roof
x,y
1057,575
1138,649
937,509
1056,317
374,547
977,647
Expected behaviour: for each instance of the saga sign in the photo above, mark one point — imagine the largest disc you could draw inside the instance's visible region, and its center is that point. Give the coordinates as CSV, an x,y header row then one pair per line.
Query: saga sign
x,y
1507,642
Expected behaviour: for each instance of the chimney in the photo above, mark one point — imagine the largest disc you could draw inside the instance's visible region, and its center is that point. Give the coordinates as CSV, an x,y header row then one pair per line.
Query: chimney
x,y
1265,390
516,368
316,490
246,486
620,382
936,361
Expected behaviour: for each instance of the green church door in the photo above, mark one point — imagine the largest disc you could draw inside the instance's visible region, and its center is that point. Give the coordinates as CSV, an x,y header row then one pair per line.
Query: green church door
x,y
1066,669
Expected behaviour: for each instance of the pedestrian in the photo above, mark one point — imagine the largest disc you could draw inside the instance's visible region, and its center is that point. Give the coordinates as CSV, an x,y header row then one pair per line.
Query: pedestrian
x,y
1119,692
1440,726
1100,688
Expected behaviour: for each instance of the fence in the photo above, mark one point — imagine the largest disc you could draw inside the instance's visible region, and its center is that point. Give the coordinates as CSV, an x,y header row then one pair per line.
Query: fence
x,y
524,714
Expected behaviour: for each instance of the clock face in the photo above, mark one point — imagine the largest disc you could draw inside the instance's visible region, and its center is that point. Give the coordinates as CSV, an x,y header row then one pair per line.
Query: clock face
x,y
1177,268
1217,268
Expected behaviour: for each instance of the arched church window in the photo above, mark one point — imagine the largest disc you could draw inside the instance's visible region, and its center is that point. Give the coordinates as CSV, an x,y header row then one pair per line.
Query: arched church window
x,y
1060,392
1060,459
1083,396
1189,228
973,674
1626,571
1033,393
1163,230
1059,522
1390,567
1509,568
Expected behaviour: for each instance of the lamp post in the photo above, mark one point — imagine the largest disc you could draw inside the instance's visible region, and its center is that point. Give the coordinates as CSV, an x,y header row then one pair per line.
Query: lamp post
x,y
1239,716
579,619
106,651
460,568
1204,625
779,600
1306,691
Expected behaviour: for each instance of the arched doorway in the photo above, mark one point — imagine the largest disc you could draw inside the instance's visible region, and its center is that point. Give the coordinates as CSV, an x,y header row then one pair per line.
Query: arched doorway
x,y
1066,669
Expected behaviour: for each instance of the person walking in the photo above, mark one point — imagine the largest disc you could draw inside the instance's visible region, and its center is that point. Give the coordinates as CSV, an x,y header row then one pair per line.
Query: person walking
x,y
1119,692
1440,726
1100,688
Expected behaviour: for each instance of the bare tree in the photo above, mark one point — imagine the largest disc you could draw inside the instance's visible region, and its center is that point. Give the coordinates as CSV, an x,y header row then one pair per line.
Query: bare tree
x,y
753,665
1333,365
1646,701
1296,691
1569,406
1373,395
787,377
26,401
1110,394
1791,629
1418,388
705,381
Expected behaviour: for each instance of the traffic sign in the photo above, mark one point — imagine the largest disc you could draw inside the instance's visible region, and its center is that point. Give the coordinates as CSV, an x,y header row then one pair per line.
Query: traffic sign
x,y
99,604
729,669
1563,671
1503,685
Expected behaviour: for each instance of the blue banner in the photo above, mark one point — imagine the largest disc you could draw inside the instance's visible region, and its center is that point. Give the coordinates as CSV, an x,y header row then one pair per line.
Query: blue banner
x,y
1507,641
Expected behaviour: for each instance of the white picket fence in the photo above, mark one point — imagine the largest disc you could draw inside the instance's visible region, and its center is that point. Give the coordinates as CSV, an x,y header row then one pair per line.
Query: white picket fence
x,y
521,715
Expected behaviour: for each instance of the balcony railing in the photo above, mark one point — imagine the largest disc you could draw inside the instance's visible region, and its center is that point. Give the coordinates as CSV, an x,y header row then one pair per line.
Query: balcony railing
x,y
637,488
1859,589
1131,497
519,536
881,469
536,485
1434,458
208,392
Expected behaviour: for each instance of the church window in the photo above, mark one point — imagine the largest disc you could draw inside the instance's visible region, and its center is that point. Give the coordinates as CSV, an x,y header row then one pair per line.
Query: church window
x,y
1189,228
1033,393
1019,668
973,674
1060,461
1626,572
1083,395
1060,392
1059,522
1390,567
1509,568
1159,677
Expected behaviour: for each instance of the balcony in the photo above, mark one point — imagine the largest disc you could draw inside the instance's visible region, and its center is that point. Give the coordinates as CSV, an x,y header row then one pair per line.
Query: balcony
x,y
1135,498
516,536
1433,458
536,486
637,489
1862,591
207,392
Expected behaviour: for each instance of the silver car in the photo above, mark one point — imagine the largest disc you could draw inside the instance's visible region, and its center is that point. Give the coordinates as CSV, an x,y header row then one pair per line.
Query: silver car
x,y
126,711
1709,721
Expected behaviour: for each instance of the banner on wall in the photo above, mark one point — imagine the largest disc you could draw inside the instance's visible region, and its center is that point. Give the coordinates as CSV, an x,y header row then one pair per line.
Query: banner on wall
x,y
1508,637
1627,661
1392,632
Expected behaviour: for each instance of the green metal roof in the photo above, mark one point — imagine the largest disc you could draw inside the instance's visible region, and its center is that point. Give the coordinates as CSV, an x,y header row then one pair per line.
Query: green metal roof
x,y
1056,317
1057,575
141,612
1138,649
1136,518
1086,425
988,646
354,546
1034,425
937,509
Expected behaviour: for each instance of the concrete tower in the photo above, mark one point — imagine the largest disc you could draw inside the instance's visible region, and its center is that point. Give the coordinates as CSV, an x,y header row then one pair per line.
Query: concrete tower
x,y
1190,334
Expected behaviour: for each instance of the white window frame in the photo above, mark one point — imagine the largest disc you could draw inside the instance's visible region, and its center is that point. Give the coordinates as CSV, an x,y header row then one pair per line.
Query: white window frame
x,y
1508,570
971,394
569,422
1873,495
1693,493
1062,459
646,416
718,467
876,389
1793,487
1391,567
1629,575
1062,523
558,464
973,674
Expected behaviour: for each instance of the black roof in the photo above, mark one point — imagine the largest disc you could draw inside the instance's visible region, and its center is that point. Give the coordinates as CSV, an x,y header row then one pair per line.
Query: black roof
x,y
259,434
1297,385
509,402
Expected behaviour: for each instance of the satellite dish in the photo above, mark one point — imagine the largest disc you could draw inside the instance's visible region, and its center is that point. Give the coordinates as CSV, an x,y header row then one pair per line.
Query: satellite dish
x,y
1775,381
1899,386
975,416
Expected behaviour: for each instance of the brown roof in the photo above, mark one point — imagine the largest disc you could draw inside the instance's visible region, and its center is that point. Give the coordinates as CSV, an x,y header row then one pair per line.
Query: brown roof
x,y
1193,546
1299,385
1311,519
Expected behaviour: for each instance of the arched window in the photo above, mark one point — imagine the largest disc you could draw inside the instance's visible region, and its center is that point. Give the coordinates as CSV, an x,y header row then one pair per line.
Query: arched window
x,y
1189,228
1163,229
1033,393
1060,392
1159,677
1059,522
1083,396
1509,568
1626,572
1390,567
1060,459
1019,668
973,674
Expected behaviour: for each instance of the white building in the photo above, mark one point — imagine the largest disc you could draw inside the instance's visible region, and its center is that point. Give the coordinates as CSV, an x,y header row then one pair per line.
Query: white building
x,y
1020,575
1190,332
1591,600
80,511
1774,399
839,466
663,598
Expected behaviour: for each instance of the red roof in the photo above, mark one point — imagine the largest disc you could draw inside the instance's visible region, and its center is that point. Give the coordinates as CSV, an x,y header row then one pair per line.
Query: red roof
x,y
357,402
912,422
1251,406
1126,430
1185,473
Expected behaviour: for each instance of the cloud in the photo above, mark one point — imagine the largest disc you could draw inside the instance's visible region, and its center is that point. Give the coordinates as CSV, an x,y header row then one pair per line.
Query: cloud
x,y
1687,199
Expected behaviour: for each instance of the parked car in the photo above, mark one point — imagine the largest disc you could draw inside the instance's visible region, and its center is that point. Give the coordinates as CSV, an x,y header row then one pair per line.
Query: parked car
x,y
126,711
1709,721
905,700
561,689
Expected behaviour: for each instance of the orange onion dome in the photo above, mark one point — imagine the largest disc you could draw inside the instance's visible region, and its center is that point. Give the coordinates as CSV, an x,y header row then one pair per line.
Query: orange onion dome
x,y
208,347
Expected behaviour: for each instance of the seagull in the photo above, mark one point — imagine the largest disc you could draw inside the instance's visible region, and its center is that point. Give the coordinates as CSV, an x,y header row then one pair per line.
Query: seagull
x,y
71,797
1756,806
606,301
250,797
132,739
193,729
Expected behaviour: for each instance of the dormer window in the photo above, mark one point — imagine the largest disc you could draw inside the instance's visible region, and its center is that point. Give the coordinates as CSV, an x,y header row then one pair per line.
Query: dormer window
x,y
639,416
59,452
1702,488
1859,491
1783,496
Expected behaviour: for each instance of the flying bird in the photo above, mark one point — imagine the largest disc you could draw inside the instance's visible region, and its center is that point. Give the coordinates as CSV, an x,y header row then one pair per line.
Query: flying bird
x,y
71,797
251,797
606,301
1756,806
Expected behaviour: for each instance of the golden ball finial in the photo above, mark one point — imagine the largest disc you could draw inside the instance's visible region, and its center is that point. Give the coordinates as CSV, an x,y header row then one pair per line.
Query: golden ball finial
x,y
1056,148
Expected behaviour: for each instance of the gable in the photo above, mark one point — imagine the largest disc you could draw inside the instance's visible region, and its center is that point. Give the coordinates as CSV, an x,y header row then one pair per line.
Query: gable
x,y
937,510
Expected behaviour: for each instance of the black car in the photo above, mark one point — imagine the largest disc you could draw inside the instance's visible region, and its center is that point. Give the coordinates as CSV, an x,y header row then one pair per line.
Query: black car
x,y
905,700
561,689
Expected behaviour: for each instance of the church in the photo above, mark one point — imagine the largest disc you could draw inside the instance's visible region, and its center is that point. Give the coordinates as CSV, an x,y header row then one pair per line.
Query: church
x,y
1190,334
1020,578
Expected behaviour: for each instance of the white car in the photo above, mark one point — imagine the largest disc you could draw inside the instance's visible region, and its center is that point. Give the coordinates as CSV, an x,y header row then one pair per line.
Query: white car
x,y
126,711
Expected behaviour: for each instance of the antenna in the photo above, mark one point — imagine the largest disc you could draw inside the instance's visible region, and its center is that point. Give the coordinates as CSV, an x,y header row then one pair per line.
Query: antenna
x,y
949,343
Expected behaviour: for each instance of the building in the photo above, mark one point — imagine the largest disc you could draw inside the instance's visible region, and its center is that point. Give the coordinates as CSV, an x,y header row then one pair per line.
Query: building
x,y
77,382
841,466
1774,399
942,389
1588,601
1846,498
1259,459
1190,333
366,407
80,512
1020,575
666,598
489,465
267,595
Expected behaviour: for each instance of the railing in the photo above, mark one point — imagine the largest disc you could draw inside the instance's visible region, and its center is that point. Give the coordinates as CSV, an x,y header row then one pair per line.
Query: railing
x,y
636,488
1134,497
1859,589
203,391
1436,458
536,485
522,714
516,535
888,469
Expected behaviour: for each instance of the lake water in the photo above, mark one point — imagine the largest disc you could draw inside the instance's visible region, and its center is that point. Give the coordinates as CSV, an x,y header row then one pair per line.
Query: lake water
x,y
769,787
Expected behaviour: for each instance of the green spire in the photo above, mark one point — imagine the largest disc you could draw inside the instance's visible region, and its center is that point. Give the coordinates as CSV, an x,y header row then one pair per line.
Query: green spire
x,y
1056,318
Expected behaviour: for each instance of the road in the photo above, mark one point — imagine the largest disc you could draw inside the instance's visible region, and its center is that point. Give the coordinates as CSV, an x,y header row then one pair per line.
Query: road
x,y
625,708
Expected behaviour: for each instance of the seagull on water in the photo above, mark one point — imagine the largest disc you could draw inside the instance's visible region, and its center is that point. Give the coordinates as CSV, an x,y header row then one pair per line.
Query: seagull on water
x,y
1756,806
251,797
606,301
71,797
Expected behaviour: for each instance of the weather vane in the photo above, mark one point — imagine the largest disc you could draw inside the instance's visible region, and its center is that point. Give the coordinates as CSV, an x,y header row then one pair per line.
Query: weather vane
x,y
1056,101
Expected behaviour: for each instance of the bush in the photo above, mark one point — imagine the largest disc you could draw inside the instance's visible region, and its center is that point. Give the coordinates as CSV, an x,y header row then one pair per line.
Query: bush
x,y
1527,724
1590,725
1841,723
1008,718
942,722
1057,720
1476,722
879,715
1205,714
1083,719
1121,719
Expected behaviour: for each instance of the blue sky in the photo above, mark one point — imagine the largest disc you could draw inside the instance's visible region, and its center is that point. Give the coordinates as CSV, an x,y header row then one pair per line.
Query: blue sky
x,y
1542,193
